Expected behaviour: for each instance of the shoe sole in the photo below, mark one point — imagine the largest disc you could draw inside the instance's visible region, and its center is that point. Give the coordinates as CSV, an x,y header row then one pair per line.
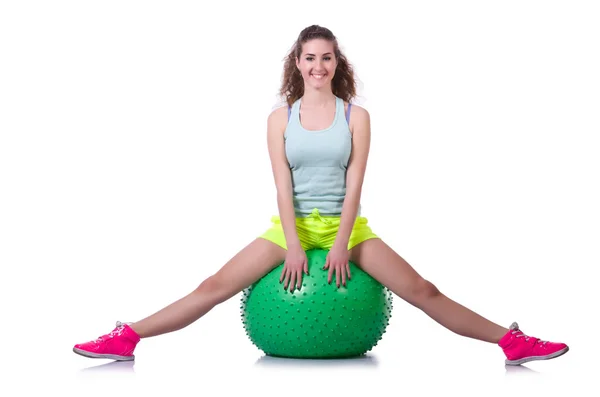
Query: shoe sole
x,y
535,358
109,356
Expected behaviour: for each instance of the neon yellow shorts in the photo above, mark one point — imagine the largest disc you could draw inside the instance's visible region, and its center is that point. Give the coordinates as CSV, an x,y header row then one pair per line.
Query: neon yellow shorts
x,y
319,232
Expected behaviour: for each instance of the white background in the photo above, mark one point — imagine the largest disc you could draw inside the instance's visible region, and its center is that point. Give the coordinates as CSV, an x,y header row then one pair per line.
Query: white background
x,y
133,164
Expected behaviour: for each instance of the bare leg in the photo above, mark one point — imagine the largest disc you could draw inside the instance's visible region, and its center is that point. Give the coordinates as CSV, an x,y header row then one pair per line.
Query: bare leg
x,y
246,267
382,263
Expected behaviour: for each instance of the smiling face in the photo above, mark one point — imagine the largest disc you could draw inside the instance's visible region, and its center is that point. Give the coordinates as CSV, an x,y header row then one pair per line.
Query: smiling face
x,y
317,63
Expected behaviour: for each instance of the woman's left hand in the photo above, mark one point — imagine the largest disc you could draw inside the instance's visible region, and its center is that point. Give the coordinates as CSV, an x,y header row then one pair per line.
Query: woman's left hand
x,y
338,261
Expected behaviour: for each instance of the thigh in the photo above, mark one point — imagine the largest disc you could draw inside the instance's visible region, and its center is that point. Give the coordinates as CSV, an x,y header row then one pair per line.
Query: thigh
x,y
375,257
249,265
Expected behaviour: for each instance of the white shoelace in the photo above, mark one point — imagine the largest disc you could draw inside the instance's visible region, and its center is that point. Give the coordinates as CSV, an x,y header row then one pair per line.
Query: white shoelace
x,y
515,330
116,331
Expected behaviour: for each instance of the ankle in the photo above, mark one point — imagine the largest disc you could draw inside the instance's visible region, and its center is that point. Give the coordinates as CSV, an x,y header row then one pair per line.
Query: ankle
x,y
137,330
501,333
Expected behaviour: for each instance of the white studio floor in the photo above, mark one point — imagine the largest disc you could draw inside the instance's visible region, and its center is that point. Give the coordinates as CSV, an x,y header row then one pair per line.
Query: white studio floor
x,y
415,356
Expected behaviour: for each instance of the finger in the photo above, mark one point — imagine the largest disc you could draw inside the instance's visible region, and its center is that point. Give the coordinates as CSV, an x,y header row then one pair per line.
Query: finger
x,y
299,280
326,262
337,276
286,279
292,280
343,271
305,266
282,275
348,270
330,273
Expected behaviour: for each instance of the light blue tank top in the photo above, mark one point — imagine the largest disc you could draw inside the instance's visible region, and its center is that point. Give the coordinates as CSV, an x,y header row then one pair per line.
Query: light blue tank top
x,y
318,161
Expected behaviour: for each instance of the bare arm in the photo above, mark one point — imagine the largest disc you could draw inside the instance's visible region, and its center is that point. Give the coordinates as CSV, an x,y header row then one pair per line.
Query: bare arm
x,y
361,142
338,257
276,124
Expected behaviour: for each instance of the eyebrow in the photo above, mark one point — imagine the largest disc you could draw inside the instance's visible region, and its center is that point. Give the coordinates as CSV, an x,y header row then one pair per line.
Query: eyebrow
x,y
327,53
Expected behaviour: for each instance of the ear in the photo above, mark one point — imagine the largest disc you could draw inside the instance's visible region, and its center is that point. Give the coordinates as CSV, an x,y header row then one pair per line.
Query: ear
x,y
297,63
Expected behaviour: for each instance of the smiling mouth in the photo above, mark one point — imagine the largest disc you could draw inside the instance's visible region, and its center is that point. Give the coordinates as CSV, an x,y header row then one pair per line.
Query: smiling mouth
x,y
318,76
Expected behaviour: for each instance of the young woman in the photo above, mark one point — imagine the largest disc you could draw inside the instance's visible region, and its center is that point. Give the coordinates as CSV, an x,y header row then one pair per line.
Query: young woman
x,y
318,146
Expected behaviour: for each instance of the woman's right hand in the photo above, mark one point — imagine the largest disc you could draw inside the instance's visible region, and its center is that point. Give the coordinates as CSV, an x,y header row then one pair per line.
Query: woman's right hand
x,y
295,263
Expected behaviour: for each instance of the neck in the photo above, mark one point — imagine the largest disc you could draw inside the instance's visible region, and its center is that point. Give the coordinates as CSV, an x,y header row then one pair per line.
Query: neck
x,y
317,99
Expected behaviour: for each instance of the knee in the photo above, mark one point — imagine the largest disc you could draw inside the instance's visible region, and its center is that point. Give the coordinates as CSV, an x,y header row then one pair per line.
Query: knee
x,y
421,291
212,288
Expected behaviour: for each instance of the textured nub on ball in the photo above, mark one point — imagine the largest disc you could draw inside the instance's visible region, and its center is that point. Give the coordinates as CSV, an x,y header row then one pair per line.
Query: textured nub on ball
x,y
320,320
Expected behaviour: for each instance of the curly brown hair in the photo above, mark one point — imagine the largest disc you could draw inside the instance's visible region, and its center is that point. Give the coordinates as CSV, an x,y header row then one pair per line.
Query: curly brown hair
x,y
343,84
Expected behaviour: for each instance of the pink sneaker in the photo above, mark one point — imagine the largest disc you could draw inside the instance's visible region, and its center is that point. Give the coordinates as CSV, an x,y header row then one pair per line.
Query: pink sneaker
x,y
118,345
520,348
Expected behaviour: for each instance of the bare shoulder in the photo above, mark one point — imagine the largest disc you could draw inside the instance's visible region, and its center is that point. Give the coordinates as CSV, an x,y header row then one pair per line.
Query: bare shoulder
x,y
359,118
277,120
359,112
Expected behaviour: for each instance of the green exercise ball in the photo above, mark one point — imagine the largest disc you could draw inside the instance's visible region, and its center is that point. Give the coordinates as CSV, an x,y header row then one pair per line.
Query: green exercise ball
x,y
320,320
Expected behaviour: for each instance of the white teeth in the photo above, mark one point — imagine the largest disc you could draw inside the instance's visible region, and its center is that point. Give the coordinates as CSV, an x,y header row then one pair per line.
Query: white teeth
x,y
318,76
